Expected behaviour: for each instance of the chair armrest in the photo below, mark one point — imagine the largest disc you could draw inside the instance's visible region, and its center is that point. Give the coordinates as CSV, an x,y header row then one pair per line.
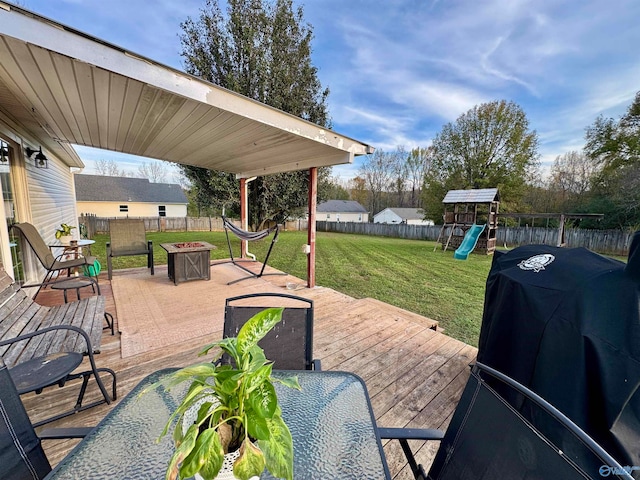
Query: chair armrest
x,y
60,433
108,246
150,244
403,435
411,433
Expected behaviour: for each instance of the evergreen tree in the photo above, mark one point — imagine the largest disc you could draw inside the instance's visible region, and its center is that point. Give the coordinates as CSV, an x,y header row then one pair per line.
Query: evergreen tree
x,y
261,49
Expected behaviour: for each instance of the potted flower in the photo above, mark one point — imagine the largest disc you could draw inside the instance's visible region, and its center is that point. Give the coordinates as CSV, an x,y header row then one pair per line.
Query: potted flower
x,y
64,233
232,410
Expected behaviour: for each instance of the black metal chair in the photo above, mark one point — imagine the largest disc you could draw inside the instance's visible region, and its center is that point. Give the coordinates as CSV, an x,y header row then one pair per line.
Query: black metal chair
x,y
38,373
127,237
489,439
290,343
53,264
21,453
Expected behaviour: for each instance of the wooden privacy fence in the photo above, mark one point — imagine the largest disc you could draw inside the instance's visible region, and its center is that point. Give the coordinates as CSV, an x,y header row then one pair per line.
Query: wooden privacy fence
x,y
613,242
172,224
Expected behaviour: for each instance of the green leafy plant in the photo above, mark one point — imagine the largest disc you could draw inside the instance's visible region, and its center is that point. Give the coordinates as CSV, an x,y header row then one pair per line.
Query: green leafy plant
x,y
237,408
64,230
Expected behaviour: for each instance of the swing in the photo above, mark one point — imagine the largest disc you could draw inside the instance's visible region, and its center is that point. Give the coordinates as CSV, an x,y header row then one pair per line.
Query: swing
x,y
250,237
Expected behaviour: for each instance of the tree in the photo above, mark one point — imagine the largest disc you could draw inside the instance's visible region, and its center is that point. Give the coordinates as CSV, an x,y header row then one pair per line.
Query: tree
x,y
615,147
332,189
109,168
571,178
358,190
377,171
261,49
488,146
155,171
417,165
615,144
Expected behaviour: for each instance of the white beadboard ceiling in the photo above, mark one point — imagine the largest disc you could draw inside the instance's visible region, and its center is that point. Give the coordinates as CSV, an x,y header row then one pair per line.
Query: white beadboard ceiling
x,y
66,87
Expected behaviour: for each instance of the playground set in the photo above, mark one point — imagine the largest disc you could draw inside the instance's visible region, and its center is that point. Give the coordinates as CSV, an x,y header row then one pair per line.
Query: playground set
x,y
470,221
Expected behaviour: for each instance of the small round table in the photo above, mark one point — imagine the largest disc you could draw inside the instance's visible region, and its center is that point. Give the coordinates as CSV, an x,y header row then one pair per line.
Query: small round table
x,y
74,283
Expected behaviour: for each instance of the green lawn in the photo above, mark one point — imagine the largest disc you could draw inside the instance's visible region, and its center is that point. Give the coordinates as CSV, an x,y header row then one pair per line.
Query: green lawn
x,y
405,273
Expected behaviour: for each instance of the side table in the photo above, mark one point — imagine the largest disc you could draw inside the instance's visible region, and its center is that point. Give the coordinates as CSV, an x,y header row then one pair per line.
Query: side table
x,y
74,283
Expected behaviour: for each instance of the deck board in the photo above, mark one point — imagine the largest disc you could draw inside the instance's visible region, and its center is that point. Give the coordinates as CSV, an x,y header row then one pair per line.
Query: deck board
x,y
414,375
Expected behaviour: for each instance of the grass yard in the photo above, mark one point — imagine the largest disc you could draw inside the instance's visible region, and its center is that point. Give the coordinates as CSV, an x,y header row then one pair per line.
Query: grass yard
x,y
405,273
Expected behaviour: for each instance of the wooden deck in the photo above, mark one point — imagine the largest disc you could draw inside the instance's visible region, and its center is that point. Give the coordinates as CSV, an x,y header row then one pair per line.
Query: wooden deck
x,y
414,374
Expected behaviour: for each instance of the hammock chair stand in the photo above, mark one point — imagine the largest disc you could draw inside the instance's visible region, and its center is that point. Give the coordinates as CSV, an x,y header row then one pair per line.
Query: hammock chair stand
x,y
249,236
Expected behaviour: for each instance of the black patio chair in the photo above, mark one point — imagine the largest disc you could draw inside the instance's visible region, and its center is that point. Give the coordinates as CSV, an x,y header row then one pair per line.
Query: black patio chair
x,y
489,439
290,343
40,372
127,237
21,453
52,263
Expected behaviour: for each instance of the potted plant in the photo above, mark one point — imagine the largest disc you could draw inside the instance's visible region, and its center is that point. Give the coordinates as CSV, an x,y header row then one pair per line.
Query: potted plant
x,y
232,408
64,233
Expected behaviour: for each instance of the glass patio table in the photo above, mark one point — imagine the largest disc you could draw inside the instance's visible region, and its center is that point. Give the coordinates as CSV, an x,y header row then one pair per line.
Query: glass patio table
x,y
330,419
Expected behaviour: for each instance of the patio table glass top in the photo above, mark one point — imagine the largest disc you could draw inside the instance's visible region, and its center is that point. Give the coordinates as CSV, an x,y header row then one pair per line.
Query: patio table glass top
x,y
330,419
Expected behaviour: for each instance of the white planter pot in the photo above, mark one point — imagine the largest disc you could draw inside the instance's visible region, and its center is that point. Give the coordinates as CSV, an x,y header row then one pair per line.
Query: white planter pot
x,y
65,239
226,471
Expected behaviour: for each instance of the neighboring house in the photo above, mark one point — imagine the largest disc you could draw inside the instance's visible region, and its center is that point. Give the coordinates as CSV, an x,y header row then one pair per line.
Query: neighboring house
x,y
342,211
410,216
128,197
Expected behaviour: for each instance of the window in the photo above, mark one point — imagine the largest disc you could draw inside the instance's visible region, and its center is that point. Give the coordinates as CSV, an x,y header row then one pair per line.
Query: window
x,y
337,217
360,217
124,208
328,216
162,211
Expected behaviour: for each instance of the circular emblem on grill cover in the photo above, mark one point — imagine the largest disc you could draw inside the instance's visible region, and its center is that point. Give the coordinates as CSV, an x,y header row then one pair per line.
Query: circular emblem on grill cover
x,y
537,262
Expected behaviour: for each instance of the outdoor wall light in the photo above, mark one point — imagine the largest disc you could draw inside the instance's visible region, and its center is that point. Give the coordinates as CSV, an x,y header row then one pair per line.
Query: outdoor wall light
x,y
4,154
41,160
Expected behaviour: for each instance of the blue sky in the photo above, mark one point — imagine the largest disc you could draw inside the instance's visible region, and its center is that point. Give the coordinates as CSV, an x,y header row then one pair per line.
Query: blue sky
x,y
398,70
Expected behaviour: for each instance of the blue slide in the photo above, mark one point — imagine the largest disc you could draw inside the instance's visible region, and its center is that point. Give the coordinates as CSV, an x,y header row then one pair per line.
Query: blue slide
x,y
469,242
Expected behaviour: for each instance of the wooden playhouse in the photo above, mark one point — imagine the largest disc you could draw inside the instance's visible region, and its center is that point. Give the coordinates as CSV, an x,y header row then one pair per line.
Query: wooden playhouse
x,y
465,208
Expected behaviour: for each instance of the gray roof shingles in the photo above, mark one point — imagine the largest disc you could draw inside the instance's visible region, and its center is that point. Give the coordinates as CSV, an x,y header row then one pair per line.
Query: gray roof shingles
x,y
100,188
342,206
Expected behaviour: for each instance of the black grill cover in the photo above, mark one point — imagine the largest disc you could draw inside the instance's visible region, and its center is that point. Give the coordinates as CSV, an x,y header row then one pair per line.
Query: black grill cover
x,y
566,324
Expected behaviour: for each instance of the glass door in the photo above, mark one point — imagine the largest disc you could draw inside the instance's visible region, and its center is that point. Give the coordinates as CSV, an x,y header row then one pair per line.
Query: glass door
x,y
6,186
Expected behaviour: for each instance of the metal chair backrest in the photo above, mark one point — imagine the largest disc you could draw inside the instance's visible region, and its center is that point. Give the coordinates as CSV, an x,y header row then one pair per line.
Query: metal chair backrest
x,y
488,438
127,236
290,343
21,454
37,244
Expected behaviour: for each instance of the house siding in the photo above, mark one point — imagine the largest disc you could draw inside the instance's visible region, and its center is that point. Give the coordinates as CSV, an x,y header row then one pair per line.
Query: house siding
x,y
48,201
135,209
386,216
343,217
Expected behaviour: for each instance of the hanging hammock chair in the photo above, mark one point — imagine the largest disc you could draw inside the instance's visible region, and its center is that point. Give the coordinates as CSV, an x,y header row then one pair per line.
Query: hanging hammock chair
x,y
250,237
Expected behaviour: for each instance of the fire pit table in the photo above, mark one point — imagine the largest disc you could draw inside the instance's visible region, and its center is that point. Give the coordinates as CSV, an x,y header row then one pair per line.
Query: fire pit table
x,y
188,261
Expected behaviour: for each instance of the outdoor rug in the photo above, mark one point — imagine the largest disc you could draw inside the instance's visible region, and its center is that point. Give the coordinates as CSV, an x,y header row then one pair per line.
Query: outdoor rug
x,y
154,313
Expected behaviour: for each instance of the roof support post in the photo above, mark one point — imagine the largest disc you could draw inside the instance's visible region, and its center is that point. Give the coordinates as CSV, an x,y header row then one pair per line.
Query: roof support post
x,y
311,235
244,215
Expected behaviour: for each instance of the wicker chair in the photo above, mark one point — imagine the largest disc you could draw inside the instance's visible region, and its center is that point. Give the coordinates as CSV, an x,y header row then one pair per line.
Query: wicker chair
x,y
128,237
